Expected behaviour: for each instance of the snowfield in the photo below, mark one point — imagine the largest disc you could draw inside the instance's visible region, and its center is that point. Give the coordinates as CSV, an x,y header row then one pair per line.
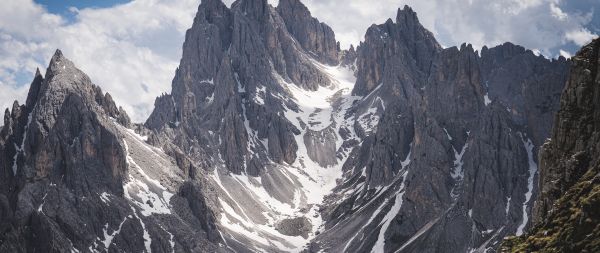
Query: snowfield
x,y
253,207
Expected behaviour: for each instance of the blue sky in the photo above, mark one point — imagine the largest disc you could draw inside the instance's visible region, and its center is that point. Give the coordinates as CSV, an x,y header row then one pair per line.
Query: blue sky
x,y
62,7
133,47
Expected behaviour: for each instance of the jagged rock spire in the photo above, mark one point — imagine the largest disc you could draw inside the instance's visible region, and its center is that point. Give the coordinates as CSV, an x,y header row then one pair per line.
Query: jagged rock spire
x,y
407,15
314,36
256,9
406,38
34,90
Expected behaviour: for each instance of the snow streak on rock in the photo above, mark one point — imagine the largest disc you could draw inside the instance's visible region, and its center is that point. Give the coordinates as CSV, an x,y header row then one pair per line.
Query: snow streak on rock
x,y
108,238
385,223
532,171
255,208
21,148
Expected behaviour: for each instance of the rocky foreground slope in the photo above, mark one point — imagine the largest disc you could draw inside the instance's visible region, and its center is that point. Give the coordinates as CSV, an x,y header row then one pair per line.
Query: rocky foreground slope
x,y
273,139
566,212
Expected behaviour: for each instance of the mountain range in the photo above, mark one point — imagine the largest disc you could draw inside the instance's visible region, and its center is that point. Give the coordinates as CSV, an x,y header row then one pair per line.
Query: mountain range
x,y
274,139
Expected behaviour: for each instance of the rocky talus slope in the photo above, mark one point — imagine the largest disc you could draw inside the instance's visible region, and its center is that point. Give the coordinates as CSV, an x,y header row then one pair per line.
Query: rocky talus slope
x,y
273,139
566,212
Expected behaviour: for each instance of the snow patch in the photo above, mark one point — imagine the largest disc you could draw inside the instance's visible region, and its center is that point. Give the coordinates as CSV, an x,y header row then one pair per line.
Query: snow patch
x,y
145,192
532,171
41,207
105,197
448,135
211,98
457,172
108,238
261,92
315,109
171,239
210,81
486,100
21,148
419,233
379,192
407,160
369,120
507,205
312,182
385,223
146,235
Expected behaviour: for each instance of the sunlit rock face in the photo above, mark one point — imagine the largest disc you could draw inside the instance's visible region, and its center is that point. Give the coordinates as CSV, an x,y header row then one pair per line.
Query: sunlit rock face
x,y
76,178
273,139
569,168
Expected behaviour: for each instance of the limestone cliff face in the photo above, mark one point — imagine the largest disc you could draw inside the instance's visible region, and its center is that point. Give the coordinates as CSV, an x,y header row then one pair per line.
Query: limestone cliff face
x,y
63,127
385,43
75,178
273,139
529,85
448,165
315,37
566,214
228,80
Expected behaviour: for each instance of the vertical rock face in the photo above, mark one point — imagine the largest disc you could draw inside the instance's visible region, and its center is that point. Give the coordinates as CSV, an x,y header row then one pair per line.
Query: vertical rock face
x,y
405,38
57,148
315,37
449,143
227,82
566,214
57,130
522,79
349,57
264,145
74,178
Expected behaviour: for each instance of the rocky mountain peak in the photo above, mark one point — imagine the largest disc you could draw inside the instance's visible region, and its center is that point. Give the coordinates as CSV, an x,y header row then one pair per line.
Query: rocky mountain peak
x,y
238,67
211,7
73,175
257,9
468,47
57,109
407,16
213,11
58,62
266,143
34,90
443,121
385,43
314,36
505,50
295,6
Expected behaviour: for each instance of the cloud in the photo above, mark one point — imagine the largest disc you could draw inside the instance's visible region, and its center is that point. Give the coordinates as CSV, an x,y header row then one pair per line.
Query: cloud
x,y
132,50
557,12
564,53
539,24
580,37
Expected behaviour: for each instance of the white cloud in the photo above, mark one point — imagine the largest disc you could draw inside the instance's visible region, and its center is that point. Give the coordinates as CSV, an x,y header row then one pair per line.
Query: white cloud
x,y
132,50
557,12
8,95
564,53
537,24
580,37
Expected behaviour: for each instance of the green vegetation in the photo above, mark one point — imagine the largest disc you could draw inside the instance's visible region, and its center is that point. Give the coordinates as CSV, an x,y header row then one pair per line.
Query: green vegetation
x,y
573,225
